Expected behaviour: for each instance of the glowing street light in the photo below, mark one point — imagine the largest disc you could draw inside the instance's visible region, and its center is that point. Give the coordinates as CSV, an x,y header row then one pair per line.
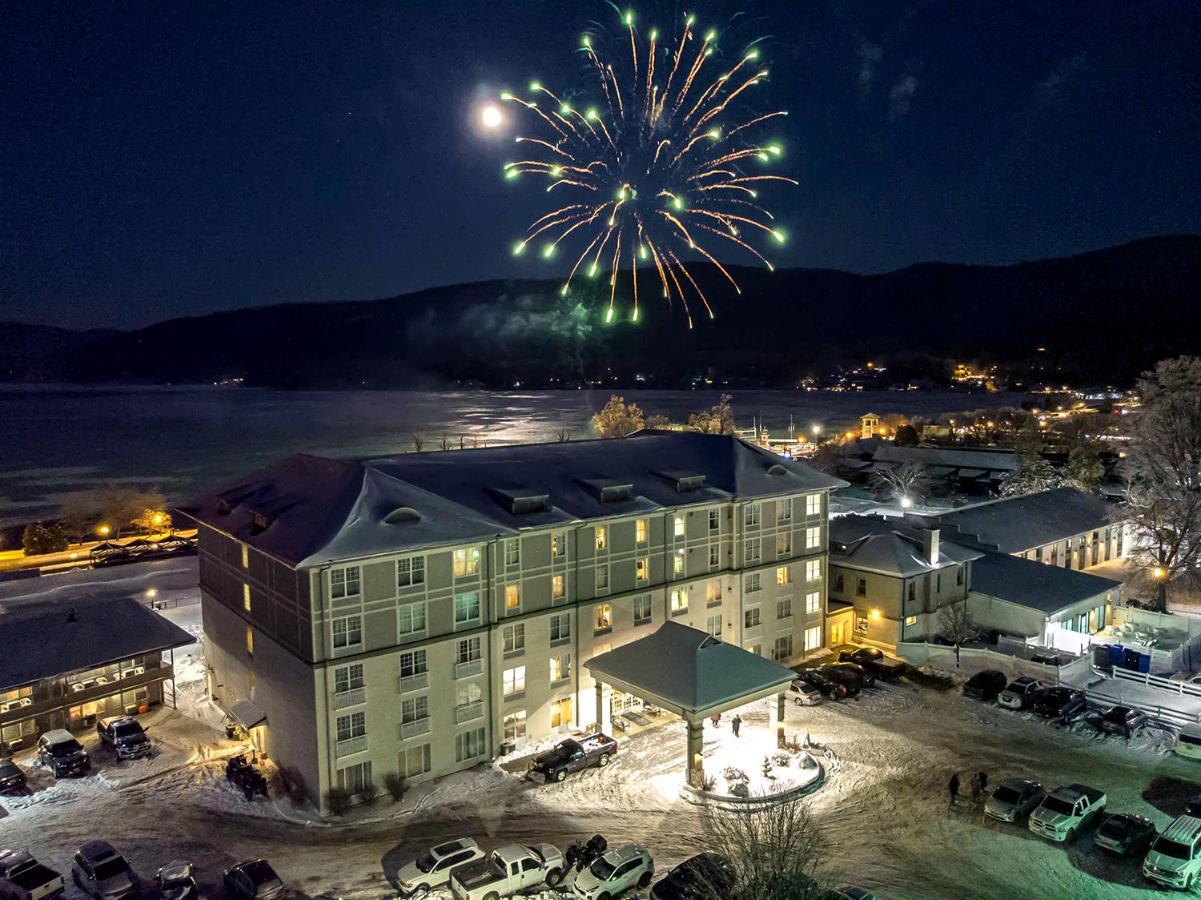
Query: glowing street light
x,y
1158,573
906,503
103,530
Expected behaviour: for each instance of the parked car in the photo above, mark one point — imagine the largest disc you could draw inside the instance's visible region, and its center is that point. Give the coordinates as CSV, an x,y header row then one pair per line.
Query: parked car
x,y
614,873
431,870
507,871
1175,856
1014,799
1122,720
1020,693
125,736
848,678
1125,834
252,880
64,755
805,693
1193,807
985,685
831,688
573,755
100,871
703,875
1187,742
1060,702
1066,811
24,878
871,658
176,881
867,678
12,779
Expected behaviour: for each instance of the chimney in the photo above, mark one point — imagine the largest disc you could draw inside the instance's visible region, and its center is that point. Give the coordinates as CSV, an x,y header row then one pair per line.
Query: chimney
x,y
930,545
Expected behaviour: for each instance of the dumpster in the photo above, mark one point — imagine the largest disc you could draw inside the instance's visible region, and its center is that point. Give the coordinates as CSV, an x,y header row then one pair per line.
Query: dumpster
x,y
1117,653
1131,660
1144,663
1101,656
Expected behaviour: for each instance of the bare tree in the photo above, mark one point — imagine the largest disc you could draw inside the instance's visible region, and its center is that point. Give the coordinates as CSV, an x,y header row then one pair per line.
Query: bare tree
x,y
121,506
1164,498
778,850
718,419
563,435
617,418
1032,476
418,442
79,514
955,623
444,443
1085,469
908,481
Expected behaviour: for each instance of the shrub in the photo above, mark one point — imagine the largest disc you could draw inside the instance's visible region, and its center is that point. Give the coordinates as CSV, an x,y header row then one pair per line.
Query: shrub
x,y
38,539
339,801
740,789
708,783
781,759
368,793
729,773
293,784
396,785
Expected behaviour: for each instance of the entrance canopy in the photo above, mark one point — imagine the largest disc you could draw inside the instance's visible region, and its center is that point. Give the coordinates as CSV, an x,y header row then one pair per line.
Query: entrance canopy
x,y
247,713
688,672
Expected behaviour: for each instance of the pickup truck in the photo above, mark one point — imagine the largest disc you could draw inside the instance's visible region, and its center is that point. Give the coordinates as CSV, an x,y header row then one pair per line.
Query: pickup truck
x,y
1065,811
24,878
507,871
572,756
124,736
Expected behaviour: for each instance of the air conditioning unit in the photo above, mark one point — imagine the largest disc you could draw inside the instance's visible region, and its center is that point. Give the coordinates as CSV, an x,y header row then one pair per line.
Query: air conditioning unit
x,y
133,672
78,686
10,705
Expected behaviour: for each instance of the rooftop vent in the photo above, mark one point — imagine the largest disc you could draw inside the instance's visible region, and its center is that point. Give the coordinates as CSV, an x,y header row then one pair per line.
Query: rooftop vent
x,y
402,514
683,481
522,501
776,469
223,506
607,490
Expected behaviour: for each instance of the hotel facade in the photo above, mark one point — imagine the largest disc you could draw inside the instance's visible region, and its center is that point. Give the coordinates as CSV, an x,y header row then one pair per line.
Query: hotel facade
x,y
414,614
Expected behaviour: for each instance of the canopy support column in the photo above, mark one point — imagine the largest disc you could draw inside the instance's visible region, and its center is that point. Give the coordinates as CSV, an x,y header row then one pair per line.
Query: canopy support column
x,y
781,706
696,760
600,706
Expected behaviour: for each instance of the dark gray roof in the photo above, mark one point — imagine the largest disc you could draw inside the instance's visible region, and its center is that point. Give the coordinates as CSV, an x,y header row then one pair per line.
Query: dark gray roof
x,y
1014,524
307,510
37,641
689,671
1035,585
1005,460
890,546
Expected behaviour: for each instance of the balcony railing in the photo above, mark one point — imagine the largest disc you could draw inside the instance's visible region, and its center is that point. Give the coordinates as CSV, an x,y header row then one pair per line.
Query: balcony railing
x,y
414,728
351,745
353,697
466,712
469,668
417,682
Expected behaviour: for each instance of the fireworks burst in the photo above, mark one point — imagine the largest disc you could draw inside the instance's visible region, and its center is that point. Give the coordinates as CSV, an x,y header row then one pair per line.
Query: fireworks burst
x,y
657,169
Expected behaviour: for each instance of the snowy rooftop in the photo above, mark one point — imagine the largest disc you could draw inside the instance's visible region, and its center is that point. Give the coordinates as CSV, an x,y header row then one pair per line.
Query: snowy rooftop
x,y
688,671
1013,524
1035,585
888,546
307,510
45,639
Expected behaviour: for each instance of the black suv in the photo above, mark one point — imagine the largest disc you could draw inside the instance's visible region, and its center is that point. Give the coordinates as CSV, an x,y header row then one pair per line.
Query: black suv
x,y
62,753
848,678
703,875
985,685
12,779
124,736
1060,702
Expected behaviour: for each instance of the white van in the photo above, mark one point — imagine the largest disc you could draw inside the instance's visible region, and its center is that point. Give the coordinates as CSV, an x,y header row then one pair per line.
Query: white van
x,y
1175,856
1188,741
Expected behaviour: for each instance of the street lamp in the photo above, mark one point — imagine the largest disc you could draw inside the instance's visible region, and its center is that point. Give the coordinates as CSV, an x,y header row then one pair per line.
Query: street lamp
x,y
906,503
1158,573
103,530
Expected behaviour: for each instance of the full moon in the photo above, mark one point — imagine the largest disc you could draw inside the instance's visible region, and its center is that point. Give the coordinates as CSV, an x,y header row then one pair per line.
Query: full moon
x,y
491,117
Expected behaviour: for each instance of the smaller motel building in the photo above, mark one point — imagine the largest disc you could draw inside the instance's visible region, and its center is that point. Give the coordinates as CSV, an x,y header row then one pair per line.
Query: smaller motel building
x,y
1014,562
416,613
64,664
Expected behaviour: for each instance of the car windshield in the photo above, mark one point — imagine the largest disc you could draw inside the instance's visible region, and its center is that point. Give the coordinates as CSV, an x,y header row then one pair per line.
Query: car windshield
x,y
65,748
602,869
1174,849
127,729
425,862
806,687
259,871
110,867
1059,806
1007,795
1115,827
1117,714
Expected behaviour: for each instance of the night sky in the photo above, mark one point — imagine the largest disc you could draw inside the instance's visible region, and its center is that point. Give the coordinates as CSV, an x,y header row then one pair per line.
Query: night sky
x,y
161,159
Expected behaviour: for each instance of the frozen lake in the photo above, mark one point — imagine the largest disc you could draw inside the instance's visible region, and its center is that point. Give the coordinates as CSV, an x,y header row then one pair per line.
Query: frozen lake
x,y
57,439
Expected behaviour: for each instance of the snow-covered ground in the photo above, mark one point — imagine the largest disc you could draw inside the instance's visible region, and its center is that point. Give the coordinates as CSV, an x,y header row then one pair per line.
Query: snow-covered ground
x,y
883,805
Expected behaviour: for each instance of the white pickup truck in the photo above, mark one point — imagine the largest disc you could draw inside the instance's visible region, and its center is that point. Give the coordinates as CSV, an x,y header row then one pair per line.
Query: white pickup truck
x,y
24,878
1065,811
507,871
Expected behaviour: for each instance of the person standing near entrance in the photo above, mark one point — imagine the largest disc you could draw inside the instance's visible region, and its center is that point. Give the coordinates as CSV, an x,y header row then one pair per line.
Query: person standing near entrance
x,y
736,723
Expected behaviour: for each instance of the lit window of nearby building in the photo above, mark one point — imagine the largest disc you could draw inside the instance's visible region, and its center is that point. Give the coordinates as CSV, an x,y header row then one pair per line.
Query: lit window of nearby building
x,y
347,632
679,528
560,628
512,596
910,621
679,601
641,531
348,678
557,542
752,551
352,726
513,681
246,597
513,551
784,543
604,616
245,557
713,590
783,648
410,619
560,713
415,760
514,725
782,576
714,519
469,745
642,609
813,504
410,571
783,511
783,607
713,626
467,607
467,561
558,587
750,515
560,668
813,602
813,570
677,563
249,641
513,638
642,569
602,577
602,537
813,638
813,537
754,582
344,582
750,617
